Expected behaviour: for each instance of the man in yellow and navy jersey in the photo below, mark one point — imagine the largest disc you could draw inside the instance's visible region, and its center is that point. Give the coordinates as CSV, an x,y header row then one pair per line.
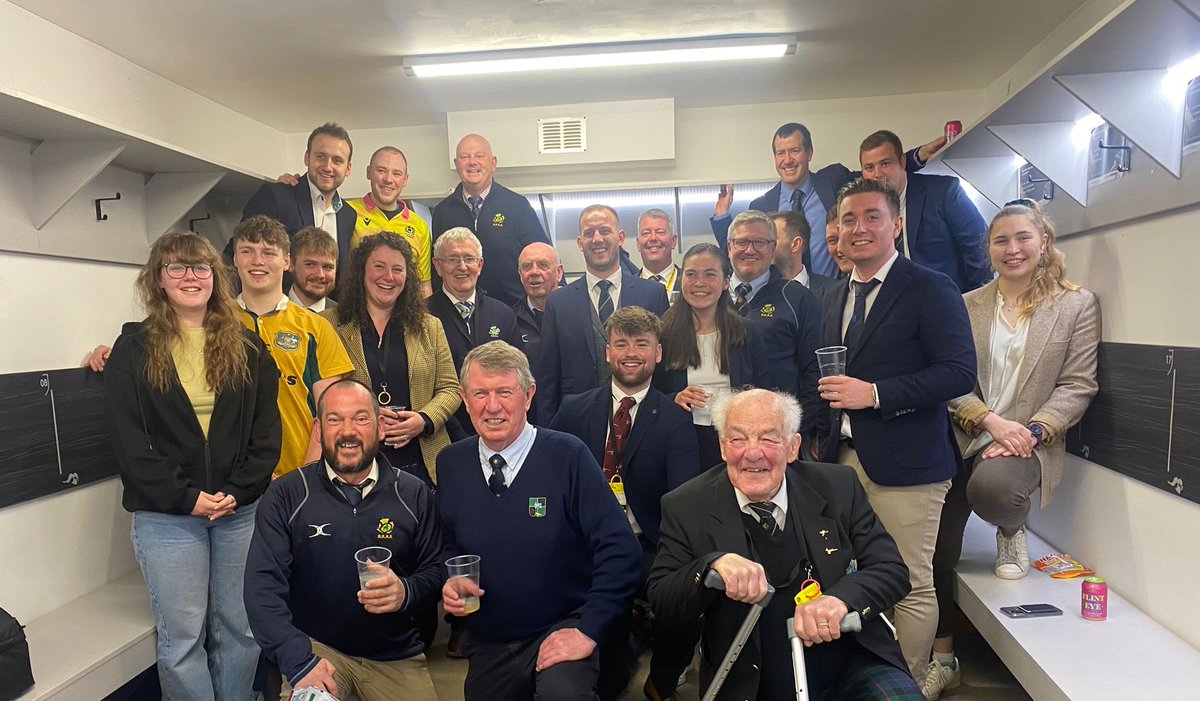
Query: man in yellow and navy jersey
x,y
383,210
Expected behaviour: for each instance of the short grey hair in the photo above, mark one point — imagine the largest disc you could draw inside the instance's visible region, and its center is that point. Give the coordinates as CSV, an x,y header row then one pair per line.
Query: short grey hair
x,y
458,233
496,357
785,407
656,213
750,216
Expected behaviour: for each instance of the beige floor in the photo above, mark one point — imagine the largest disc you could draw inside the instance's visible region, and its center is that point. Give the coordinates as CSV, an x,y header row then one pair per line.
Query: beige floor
x,y
985,678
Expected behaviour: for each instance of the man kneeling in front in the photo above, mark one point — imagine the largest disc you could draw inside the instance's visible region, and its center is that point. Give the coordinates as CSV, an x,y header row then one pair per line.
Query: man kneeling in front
x,y
754,521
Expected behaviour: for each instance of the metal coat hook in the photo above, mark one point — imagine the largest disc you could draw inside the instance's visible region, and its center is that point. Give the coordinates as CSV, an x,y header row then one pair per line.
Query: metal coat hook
x,y
1047,195
101,216
192,222
1128,150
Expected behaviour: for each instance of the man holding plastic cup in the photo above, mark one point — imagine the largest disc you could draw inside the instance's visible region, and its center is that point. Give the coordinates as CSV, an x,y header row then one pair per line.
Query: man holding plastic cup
x,y
344,551
559,562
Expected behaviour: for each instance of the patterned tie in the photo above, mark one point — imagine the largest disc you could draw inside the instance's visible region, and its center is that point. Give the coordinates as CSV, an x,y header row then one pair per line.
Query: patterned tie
x,y
742,297
797,201
605,308
616,440
658,279
476,205
464,310
354,492
496,481
854,329
765,511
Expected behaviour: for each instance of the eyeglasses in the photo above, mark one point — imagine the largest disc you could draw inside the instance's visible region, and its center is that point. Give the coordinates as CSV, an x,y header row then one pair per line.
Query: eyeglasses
x,y
202,271
1022,201
453,261
758,245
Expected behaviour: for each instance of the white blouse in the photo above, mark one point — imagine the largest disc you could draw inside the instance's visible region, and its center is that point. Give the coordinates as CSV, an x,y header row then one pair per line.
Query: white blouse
x,y
1007,344
708,377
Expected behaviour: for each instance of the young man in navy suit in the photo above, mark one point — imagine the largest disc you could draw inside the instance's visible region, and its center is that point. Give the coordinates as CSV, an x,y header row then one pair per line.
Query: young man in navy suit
x,y
647,447
909,351
942,228
314,200
571,359
469,317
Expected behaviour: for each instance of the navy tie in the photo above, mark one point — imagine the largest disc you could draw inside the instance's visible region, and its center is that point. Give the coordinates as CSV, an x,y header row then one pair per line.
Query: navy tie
x,y
496,481
797,201
476,205
464,310
605,307
742,297
354,492
858,317
765,511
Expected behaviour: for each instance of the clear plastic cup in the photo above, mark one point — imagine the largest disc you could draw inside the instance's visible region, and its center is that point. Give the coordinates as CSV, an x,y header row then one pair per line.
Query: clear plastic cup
x,y
832,360
465,566
365,558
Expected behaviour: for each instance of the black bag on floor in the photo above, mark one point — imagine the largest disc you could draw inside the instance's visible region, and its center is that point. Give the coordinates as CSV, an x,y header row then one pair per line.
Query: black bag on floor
x,y
16,676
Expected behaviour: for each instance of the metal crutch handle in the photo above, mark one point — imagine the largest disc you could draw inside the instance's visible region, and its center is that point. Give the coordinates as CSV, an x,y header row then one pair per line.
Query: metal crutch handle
x,y
851,623
713,580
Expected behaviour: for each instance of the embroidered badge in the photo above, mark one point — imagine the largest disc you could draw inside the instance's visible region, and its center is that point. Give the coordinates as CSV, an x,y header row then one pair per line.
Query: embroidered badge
x,y
537,507
287,341
768,311
385,528
409,230
494,332
498,220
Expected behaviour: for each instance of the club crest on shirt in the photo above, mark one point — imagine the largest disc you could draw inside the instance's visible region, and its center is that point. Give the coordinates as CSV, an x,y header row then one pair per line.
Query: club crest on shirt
x,y
409,230
287,341
768,311
385,528
498,220
494,331
537,507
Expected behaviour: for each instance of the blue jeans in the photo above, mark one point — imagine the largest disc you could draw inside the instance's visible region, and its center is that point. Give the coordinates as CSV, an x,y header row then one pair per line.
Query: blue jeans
x,y
194,570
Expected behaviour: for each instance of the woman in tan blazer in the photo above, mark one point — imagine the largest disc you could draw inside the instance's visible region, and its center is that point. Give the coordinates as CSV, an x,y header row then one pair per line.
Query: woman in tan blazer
x,y
1036,336
399,351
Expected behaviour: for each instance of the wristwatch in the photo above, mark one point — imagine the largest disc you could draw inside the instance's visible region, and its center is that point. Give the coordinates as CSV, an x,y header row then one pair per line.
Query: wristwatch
x,y
1037,431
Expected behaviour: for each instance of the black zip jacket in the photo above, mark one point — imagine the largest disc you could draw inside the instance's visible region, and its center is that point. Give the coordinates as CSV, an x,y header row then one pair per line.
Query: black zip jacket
x,y
164,458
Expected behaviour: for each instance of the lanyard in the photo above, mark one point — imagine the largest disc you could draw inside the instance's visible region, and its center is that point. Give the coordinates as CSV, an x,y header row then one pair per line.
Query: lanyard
x,y
382,357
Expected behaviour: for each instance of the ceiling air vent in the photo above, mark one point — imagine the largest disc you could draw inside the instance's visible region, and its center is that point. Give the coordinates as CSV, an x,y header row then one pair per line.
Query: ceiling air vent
x,y
562,135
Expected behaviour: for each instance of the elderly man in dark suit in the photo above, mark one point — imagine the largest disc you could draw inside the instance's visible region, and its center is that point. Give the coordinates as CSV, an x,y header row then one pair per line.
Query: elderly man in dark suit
x,y
942,228
314,199
571,359
754,521
801,190
647,447
469,317
909,351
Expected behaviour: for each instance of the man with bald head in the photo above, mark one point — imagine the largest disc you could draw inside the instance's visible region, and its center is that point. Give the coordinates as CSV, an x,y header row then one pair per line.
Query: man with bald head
x,y
383,210
502,220
541,272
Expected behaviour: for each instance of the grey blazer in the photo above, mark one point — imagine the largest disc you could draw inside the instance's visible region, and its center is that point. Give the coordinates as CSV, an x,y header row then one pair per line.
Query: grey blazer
x,y
1058,374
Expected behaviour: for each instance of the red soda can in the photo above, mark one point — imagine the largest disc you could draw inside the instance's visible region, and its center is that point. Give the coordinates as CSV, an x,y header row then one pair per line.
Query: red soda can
x,y
953,129
1094,599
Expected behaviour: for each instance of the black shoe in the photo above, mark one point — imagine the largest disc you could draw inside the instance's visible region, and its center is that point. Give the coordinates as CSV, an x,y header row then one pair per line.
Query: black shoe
x,y
452,645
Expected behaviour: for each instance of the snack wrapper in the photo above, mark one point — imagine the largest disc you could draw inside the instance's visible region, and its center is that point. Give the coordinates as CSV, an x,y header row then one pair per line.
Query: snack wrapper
x,y
1062,566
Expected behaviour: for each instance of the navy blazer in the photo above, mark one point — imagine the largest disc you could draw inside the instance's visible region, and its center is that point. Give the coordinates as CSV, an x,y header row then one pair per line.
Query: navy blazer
x,y
567,361
820,285
945,231
291,205
660,454
916,346
747,365
491,320
791,323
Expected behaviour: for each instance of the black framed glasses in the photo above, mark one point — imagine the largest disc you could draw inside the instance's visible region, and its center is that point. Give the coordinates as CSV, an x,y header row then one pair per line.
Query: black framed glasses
x,y
758,245
202,271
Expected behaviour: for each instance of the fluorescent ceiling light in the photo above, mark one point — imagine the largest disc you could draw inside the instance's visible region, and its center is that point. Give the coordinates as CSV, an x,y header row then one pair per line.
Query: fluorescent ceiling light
x,y
737,48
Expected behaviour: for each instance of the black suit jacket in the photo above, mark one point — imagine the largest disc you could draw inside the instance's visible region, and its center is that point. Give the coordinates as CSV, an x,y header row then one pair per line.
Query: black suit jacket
x,y
852,557
291,205
491,320
820,285
660,454
916,346
567,361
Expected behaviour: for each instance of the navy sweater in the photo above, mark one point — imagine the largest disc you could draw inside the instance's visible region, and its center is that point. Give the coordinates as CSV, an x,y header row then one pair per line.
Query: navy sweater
x,y
301,580
536,569
507,224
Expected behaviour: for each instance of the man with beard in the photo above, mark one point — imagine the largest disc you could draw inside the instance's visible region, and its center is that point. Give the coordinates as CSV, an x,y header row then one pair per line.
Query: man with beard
x,y
303,598
313,269
571,359
647,447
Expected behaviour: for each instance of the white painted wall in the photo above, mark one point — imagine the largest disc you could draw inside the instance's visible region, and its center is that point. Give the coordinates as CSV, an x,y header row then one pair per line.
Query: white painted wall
x,y
1139,538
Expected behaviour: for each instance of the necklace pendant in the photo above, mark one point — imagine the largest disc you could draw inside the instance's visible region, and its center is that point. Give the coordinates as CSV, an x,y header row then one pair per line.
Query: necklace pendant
x,y
384,396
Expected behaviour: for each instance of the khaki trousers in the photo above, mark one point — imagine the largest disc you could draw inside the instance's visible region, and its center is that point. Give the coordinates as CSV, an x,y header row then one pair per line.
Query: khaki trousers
x,y
373,680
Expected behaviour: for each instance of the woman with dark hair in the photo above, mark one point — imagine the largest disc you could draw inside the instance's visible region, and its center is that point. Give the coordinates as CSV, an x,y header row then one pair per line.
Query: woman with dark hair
x,y
196,430
399,351
708,348
1036,336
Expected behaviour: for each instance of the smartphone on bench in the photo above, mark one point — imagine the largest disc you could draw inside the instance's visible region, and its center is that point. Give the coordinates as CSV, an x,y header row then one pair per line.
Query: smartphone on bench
x,y
1031,611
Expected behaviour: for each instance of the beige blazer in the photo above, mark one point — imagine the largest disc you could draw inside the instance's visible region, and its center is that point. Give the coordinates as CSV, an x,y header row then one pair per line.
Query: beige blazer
x,y
1058,373
432,382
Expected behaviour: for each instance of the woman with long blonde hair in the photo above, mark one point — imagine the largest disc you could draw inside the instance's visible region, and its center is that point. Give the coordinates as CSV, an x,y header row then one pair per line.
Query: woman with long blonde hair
x,y
196,431
1036,337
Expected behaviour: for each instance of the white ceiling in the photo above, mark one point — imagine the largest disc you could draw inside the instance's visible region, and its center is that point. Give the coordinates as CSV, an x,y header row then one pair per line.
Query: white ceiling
x,y
297,63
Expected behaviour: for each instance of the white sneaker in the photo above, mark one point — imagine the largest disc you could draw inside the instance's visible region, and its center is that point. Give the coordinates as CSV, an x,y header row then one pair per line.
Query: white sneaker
x,y
939,678
1012,555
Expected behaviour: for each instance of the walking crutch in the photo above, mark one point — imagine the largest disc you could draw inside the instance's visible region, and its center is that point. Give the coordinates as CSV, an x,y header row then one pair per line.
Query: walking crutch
x,y
712,580
851,623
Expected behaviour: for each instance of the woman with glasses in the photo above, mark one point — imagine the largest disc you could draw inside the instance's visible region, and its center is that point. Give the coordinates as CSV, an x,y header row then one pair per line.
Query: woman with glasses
x,y
1036,336
196,431
708,349
399,351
